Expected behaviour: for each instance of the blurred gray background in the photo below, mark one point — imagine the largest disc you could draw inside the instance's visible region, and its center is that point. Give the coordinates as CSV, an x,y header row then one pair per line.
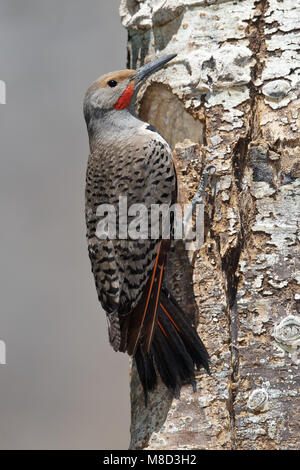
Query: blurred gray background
x,y
63,387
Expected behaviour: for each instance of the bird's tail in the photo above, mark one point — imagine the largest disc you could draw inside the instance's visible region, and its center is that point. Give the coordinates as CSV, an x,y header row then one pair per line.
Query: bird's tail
x,y
175,351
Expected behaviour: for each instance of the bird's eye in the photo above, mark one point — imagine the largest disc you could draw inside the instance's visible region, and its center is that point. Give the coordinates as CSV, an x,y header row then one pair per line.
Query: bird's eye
x,y
112,83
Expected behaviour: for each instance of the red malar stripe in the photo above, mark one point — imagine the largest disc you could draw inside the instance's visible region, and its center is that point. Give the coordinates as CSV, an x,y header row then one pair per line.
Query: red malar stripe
x,y
125,98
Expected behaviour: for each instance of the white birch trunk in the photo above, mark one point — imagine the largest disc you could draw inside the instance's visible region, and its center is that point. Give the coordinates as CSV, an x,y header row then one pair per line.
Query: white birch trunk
x,y
230,98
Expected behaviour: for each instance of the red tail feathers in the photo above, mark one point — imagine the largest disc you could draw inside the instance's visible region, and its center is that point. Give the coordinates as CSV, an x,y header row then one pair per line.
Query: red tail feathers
x,y
175,351
161,338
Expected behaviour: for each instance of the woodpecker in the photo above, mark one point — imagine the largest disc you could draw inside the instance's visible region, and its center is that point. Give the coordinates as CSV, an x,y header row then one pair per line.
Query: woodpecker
x,y
128,157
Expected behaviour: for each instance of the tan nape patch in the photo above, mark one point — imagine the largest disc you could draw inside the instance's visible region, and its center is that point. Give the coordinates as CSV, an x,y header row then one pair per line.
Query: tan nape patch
x,y
119,76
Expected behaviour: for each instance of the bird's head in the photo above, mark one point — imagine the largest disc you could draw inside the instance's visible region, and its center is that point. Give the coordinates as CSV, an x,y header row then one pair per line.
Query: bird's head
x,y
116,90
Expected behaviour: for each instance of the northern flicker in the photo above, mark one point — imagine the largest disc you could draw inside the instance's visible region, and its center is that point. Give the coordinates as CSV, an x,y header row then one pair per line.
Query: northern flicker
x,y
128,157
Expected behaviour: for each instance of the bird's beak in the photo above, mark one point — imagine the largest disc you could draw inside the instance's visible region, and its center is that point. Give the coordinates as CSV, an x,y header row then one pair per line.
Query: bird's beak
x,y
150,68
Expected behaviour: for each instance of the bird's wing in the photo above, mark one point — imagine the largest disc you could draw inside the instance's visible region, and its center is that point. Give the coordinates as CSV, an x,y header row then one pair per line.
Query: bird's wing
x,y
128,272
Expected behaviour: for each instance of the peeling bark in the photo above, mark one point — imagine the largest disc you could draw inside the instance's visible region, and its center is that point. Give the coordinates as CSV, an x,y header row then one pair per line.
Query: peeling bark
x,y
230,98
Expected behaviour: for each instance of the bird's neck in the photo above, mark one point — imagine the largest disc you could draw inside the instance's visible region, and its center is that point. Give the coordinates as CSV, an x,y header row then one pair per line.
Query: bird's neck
x,y
112,125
